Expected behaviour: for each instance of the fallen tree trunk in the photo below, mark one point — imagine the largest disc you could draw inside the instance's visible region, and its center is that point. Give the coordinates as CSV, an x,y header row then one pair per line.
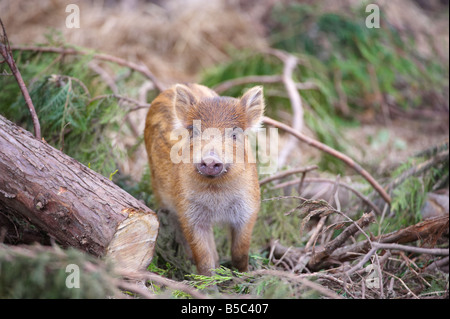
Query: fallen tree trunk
x,y
73,204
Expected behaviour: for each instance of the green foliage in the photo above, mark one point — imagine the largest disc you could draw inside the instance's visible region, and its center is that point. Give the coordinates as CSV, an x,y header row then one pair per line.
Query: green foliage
x,y
409,197
235,283
221,275
411,182
346,45
438,284
273,223
39,272
272,287
62,92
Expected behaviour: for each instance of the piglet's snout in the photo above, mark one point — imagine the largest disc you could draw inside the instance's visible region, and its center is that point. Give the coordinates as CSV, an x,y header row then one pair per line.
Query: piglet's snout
x,y
211,165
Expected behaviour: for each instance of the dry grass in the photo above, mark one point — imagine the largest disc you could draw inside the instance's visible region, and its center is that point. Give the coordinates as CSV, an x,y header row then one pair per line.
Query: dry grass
x,y
176,39
428,27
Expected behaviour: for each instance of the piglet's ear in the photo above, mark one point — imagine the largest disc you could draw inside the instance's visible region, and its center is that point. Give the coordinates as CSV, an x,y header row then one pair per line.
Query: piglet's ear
x,y
253,103
183,101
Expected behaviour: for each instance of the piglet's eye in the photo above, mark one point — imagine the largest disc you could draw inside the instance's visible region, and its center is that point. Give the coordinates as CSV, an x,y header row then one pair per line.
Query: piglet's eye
x,y
195,132
191,130
235,133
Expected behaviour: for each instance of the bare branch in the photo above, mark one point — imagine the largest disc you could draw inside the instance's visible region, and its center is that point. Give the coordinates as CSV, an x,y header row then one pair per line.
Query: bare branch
x,y
325,148
417,250
138,104
329,248
268,79
222,87
5,51
290,63
423,230
419,169
284,174
141,68
326,180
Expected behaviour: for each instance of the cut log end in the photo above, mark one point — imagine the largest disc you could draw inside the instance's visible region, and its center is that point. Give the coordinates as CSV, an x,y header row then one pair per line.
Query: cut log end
x,y
134,242
73,204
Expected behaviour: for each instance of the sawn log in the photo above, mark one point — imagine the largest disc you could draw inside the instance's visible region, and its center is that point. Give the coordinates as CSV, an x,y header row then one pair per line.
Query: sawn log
x,y
73,204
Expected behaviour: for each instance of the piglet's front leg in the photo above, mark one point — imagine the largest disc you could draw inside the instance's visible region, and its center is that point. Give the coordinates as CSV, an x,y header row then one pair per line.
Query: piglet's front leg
x,y
240,243
201,242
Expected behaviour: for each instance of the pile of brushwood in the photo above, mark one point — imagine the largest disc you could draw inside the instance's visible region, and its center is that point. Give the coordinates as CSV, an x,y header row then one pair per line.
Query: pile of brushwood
x,y
332,229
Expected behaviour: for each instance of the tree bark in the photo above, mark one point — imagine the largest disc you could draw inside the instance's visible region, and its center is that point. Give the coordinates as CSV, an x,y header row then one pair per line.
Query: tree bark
x,y
73,204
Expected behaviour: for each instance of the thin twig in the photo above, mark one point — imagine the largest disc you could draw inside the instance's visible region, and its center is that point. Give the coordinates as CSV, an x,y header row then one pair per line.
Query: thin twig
x,y
421,230
296,278
141,68
326,180
138,104
282,257
290,63
411,268
322,276
5,51
57,77
113,86
380,275
312,240
438,263
379,99
284,197
268,79
433,150
63,125
135,288
286,173
143,90
318,258
417,250
224,86
143,275
420,168
325,148
377,246
342,97
94,66
403,283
